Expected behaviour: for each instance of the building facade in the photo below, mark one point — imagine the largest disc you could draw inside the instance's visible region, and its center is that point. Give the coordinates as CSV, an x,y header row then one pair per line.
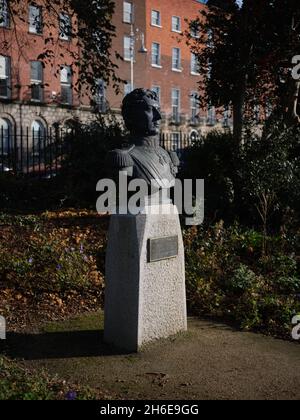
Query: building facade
x,y
39,95
157,57
36,94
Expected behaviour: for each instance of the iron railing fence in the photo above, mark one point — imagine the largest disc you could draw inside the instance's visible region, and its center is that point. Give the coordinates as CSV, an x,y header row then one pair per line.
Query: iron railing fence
x,y
37,153
40,153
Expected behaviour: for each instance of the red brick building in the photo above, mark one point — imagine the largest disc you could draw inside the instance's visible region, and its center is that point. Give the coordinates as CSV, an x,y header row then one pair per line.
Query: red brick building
x,y
161,60
37,96
34,94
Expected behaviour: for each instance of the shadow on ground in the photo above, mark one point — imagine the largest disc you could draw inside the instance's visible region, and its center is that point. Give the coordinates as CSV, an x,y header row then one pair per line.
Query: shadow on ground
x,y
59,345
210,361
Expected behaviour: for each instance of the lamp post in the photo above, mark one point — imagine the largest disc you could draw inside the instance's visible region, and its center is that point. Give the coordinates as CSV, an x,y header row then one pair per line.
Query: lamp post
x,y
135,35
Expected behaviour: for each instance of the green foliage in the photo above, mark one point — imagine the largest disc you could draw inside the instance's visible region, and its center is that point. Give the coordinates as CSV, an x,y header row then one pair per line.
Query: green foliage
x,y
37,257
257,183
90,52
227,278
244,55
17,383
214,158
84,165
19,193
44,266
242,280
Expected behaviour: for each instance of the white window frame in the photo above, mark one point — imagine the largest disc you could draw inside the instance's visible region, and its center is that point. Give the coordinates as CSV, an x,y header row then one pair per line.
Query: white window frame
x,y
6,143
36,24
128,14
66,82
38,136
176,59
5,74
194,106
100,95
156,55
211,116
157,90
194,65
195,33
175,140
65,26
4,14
154,20
127,48
174,26
37,82
176,104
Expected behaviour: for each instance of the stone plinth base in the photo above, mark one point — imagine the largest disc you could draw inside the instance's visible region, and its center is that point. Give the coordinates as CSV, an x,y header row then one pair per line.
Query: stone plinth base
x,y
145,298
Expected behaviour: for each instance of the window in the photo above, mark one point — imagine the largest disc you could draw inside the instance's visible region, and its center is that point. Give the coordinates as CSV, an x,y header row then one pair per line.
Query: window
x,y
175,141
194,64
156,54
211,116
4,77
38,130
176,105
100,95
194,31
127,12
194,108
4,14
157,90
128,88
176,24
66,85
65,27
155,18
6,143
35,20
37,81
226,117
128,48
176,59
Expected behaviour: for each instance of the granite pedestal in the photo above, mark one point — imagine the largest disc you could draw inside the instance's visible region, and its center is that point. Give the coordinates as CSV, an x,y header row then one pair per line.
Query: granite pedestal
x,y
145,297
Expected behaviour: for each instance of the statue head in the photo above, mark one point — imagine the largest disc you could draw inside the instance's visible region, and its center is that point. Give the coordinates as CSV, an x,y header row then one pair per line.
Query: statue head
x,y
141,112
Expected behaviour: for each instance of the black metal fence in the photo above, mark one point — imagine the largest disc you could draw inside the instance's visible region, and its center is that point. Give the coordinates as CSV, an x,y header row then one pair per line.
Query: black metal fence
x,y
40,153
36,153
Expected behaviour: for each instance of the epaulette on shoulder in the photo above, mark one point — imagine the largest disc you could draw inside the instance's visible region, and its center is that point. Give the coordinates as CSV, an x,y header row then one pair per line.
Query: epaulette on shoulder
x,y
119,158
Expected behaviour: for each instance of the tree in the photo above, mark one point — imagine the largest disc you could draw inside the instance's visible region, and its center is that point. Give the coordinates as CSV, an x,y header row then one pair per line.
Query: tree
x,y
90,30
245,57
269,173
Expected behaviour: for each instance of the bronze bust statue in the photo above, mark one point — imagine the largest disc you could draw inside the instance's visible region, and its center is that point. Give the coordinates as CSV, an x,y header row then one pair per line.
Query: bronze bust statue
x,y
144,158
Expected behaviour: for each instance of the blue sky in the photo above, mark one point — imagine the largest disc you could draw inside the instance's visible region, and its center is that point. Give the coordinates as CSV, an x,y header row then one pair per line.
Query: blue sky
x,y
239,2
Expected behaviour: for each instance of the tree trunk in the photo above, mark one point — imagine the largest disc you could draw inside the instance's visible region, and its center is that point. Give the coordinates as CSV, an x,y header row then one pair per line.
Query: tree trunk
x,y
238,112
238,121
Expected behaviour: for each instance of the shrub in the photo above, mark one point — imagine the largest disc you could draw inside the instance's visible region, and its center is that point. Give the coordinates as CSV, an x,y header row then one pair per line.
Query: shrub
x,y
214,158
242,279
84,163
17,383
227,278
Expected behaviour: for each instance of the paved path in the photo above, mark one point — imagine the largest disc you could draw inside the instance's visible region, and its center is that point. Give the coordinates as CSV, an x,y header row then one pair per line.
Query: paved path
x,y
211,361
